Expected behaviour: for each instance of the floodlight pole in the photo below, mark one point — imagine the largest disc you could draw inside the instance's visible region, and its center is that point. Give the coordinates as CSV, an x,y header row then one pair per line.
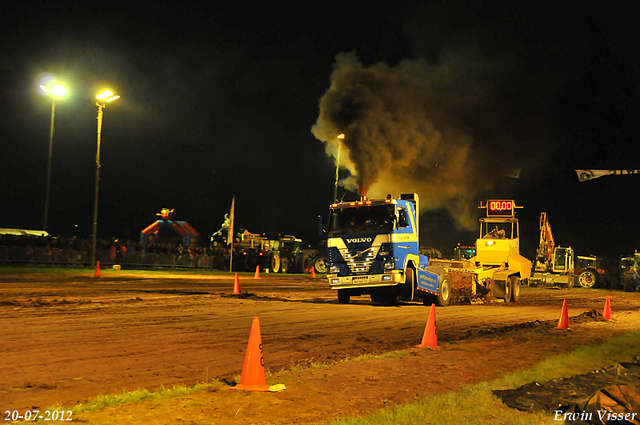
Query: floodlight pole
x,y
46,198
95,201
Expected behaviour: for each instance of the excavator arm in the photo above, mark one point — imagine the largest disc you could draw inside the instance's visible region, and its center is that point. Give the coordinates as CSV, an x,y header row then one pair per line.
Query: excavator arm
x,y
544,256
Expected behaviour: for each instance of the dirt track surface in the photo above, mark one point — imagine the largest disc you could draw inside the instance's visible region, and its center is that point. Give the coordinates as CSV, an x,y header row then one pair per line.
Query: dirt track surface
x,y
66,338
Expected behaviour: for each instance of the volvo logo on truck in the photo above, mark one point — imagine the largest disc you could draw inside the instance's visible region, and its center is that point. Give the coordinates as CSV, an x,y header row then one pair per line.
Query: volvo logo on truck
x,y
359,240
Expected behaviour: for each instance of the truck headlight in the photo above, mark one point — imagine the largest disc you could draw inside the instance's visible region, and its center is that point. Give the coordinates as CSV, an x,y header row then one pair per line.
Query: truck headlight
x,y
334,269
389,265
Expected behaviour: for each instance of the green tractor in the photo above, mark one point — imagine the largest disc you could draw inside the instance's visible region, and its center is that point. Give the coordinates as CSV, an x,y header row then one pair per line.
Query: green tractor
x,y
289,255
286,255
629,280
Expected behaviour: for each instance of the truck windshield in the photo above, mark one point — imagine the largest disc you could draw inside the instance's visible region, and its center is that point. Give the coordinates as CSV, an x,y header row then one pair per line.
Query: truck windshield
x,y
379,218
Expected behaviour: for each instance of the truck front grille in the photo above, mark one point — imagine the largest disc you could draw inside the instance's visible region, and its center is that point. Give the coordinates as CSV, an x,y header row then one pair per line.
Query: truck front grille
x,y
360,261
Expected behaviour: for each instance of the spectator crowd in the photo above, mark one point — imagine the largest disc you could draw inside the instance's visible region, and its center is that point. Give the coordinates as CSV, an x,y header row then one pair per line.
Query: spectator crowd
x,y
77,251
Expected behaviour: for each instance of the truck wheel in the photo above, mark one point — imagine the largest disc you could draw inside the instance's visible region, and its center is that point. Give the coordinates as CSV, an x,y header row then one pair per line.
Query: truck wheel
x,y
408,289
275,263
320,265
298,264
444,294
513,289
587,279
284,265
343,296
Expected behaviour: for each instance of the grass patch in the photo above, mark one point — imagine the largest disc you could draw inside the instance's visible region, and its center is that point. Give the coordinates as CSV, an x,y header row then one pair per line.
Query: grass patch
x,y
103,401
582,360
471,405
477,405
142,394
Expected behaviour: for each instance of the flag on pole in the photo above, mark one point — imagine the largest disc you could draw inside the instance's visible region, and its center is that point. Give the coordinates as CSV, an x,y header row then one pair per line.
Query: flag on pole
x,y
230,234
231,219
584,175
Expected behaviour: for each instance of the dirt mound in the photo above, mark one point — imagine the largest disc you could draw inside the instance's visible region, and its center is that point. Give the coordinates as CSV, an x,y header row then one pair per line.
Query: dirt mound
x,y
36,302
544,326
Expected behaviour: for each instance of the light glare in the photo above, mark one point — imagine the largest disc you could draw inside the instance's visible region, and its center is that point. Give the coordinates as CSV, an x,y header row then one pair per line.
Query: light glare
x,y
105,94
58,90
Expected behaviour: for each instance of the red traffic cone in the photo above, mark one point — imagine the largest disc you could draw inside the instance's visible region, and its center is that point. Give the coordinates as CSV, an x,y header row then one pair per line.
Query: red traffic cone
x,y
236,285
97,272
257,274
430,337
252,378
563,322
607,309
313,272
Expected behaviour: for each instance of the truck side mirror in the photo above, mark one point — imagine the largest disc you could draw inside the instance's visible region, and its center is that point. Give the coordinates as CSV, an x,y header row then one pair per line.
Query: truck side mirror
x,y
321,229
402,219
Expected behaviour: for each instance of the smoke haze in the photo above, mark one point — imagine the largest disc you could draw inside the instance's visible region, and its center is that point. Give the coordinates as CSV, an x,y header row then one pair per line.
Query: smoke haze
x,y
447,131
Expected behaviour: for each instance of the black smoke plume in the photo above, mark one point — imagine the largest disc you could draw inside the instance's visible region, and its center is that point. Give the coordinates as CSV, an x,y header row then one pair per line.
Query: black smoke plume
x,y
450,131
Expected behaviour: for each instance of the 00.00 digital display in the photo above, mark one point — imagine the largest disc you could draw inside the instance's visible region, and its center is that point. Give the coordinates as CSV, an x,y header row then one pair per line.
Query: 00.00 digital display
x,y
500,207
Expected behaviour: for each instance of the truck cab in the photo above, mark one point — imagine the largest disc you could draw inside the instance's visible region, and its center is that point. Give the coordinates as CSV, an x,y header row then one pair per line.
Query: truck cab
x,y
371,245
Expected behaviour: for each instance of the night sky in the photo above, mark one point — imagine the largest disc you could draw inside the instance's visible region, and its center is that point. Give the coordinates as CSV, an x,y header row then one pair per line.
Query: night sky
x,y
452,100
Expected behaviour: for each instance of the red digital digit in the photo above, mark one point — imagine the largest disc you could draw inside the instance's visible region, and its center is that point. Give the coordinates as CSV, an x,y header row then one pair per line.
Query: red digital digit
x,y
500,208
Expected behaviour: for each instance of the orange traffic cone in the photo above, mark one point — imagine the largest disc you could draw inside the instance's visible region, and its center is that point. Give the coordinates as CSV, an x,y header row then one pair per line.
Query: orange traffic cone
x,y
430,337
257,274
313,272
236,285
607,309
252,378
97,272
563,322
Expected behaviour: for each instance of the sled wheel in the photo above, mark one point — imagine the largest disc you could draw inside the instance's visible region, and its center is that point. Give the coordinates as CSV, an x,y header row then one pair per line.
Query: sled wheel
x,y
444,294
